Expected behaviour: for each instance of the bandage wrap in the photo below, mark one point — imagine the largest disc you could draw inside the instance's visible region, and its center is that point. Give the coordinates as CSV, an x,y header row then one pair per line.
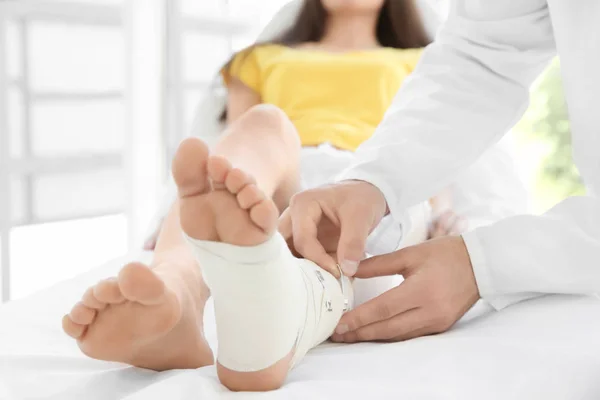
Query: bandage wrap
x,y
267,302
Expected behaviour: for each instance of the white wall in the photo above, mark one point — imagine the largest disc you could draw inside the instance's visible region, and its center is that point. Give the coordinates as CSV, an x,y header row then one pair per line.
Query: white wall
x,y
92,92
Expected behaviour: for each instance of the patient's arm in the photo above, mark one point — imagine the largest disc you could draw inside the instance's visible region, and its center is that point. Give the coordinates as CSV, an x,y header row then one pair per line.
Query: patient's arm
x,y
240,99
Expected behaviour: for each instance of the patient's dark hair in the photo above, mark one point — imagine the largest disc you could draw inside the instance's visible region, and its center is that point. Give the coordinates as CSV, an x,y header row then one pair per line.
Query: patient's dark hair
x,y
399,26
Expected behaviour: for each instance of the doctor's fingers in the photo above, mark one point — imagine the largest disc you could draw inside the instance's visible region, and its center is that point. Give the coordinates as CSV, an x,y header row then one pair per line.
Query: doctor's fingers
x,y
461,225
399,262
407,325
442,225
383,307
449,223
356,225
305,218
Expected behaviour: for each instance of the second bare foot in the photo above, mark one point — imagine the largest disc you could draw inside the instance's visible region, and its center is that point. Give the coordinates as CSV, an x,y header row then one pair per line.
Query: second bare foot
x,y
148,318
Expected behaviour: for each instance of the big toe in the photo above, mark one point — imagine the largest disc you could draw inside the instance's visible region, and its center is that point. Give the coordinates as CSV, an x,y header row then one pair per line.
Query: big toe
x,y
190,167
71,328
140,284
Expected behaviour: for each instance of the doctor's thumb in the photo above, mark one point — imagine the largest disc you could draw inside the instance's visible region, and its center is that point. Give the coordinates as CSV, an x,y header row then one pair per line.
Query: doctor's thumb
x,y
351,247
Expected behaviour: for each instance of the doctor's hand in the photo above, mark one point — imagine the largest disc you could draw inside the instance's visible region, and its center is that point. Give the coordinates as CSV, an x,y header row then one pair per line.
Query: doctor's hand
x,y
439,288
333,219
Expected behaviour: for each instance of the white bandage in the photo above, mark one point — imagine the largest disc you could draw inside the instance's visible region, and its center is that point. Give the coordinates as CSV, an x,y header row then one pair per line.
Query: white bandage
x,y
267,302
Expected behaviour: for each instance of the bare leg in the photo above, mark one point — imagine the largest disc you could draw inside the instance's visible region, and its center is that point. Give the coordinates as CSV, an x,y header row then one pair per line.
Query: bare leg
x,y
236,213
238,210
151,317
264,143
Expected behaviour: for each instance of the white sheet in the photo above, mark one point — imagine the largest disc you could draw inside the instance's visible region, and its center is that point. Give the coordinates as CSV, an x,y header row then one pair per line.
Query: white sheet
x,y
548,348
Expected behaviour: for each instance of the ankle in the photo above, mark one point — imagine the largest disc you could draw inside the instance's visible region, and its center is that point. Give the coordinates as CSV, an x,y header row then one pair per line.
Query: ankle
x,y
179,254
183,274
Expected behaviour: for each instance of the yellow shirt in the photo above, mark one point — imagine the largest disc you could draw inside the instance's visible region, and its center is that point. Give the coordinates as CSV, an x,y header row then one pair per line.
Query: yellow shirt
x,y
338,98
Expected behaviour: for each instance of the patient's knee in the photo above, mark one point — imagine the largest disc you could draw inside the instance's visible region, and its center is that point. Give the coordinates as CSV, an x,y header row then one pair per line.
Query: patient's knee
x,y
271,120
265,113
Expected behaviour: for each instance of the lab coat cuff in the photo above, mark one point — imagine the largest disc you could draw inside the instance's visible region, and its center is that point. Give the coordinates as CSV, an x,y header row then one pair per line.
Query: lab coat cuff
x,y
388,235
483,275
398,214
385,238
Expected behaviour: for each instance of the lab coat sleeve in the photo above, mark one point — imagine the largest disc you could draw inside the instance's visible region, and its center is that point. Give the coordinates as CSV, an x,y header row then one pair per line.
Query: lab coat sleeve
x,y
525,256
470,87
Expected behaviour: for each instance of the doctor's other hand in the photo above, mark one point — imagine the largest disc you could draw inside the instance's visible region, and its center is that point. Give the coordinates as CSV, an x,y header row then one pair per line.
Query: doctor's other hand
x,y
447,223
333,219
439,288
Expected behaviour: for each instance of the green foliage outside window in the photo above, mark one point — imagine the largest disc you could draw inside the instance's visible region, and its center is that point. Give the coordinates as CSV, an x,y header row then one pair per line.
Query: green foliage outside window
x,y
546,122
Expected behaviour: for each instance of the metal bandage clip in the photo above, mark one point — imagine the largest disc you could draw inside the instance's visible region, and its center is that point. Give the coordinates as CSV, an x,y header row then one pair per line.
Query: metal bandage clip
x,y
322,281
341,280
343,287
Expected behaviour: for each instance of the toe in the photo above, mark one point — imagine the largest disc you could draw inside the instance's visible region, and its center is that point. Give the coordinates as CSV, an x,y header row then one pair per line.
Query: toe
x,y
90,300
218,169
189,167
108,291
250,196
264,215
237,180
82,315
71,328
138,283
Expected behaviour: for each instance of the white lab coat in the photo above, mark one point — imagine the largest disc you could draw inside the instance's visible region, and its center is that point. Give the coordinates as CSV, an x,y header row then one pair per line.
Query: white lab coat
x,y
470,87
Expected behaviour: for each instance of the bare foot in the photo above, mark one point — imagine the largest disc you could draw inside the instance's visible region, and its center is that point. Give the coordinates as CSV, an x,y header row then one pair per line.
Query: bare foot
x,y
222,204
226,208
145,317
